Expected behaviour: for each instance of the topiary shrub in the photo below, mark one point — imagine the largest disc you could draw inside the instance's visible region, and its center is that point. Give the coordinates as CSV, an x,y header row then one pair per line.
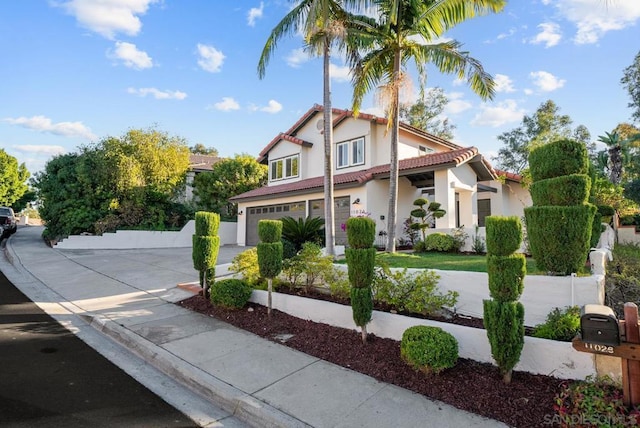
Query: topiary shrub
x,y
561,324
561,157
504,322
439,242
506,276
425,216
428,349
230,293
270,231
205,247
565,190
360,234
503,235
270,253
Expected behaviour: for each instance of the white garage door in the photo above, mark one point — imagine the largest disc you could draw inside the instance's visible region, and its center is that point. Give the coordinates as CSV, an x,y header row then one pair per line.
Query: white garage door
x,y
270,212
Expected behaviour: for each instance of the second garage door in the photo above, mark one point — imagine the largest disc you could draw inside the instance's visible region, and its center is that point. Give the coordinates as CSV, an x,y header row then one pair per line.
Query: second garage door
x,y
342,211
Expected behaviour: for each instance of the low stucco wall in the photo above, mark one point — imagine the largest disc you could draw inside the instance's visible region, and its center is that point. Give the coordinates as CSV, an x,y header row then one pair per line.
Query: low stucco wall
x,y
628,235
130,239
539,356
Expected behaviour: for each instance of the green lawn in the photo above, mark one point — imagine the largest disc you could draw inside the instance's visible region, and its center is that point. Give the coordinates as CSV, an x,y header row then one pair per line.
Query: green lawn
x,y
445,261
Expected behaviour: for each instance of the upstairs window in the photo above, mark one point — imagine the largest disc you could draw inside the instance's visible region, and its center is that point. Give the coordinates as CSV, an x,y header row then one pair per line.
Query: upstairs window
x,y
350,153
284,168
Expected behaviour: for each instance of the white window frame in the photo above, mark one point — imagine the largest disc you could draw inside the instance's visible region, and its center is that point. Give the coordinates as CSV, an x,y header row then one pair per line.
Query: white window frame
x,y
285,168
350,153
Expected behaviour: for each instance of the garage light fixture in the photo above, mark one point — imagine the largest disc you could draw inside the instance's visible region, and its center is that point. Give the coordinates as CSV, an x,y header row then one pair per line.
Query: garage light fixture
x,y
356,202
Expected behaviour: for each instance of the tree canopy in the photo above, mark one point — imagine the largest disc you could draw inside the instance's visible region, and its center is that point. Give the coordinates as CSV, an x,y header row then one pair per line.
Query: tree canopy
x,y
201,149
542,127
13,179
426,112
631,82
228,178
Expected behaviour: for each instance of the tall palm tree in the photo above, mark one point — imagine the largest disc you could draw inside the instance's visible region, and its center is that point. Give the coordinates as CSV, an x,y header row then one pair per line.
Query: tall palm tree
x,y
323,23
393,41
615,151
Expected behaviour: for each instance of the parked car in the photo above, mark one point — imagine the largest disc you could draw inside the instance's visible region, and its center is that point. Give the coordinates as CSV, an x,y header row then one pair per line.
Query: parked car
x,y
8,222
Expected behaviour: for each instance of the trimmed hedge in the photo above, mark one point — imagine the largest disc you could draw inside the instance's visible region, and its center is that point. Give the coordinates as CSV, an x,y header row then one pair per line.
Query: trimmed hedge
x,y
562,157
361,232
205,251
270,230
504,235
428,349
504,322
559,237
207,224
270,258
230,293
506,276
361,264
361,305
439,242
566,190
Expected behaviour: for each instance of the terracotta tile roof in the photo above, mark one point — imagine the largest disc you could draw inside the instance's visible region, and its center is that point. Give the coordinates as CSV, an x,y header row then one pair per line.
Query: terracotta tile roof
x,y
202,162
279,137
509,175
456,157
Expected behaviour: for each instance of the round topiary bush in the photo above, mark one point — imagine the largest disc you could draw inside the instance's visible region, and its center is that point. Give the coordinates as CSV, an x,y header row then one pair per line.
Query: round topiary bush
x,y
428,349
230,293
439,242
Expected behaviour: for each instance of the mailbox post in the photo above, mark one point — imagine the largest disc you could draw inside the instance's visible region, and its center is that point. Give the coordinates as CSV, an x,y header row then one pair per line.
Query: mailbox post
x,y
596,323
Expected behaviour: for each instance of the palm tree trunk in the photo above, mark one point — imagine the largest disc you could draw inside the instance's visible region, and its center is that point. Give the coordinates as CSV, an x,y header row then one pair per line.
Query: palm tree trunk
x,y
394,162
615,161
329,226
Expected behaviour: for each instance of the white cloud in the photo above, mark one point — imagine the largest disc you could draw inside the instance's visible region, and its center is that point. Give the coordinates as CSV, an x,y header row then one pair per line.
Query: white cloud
x,y
36,148
297,57
254,13
457,106
129,54
498,114
503,83
508,34
272,107
545,81
550,35
44,124
211,59
340,73
528,91
158,94
594,18
109,17
458,82
227,104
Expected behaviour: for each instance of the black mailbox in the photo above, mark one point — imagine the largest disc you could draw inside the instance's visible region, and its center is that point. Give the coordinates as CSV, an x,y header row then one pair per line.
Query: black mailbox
x,y
599,325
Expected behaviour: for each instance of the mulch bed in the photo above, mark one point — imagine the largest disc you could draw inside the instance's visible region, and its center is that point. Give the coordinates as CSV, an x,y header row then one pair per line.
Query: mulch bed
x,y
470,385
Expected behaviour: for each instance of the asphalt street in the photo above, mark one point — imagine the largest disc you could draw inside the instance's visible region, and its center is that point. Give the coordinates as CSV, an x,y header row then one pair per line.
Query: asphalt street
x,y
50,378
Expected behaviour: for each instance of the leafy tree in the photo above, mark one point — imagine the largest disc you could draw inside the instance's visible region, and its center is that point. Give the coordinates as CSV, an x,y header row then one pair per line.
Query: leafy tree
x,y
631,82
228,178
28,197
409,30
13,179
424,114
426,217
544,126
324,25
201,149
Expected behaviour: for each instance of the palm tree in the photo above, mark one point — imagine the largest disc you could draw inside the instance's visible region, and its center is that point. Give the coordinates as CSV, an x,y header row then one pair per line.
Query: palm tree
x,y
323,23
392,41
616,152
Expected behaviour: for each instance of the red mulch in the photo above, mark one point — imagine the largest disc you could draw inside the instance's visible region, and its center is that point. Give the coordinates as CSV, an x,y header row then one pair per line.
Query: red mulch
x,y
472,386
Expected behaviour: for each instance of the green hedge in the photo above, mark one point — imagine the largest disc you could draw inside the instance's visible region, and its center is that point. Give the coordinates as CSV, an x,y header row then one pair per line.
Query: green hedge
x,y
360,266
361,232
270,230
361,305
270,258
506,276
439,242
207,224
560,237
504,322
230,293
606,210
428,349
565,190
596,230
504,235
562,157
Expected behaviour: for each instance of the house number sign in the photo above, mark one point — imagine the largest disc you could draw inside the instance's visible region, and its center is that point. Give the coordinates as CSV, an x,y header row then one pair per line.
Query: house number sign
x,y
603,349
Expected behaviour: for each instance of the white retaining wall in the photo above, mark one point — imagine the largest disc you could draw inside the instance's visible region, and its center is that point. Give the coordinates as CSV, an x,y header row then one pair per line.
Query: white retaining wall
x,y
129,239
539,356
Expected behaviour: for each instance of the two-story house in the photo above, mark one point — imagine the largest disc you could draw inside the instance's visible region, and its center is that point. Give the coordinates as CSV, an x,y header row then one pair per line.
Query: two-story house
x,y
458,177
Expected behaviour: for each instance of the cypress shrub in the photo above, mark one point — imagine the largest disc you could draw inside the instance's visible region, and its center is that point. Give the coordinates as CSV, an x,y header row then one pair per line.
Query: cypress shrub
x,y
270,230
270,258
428,349
231,293
207,224
506,276
596,229
566,190
361,232
562,157
560,237
504,322
361,258
504,235
205,247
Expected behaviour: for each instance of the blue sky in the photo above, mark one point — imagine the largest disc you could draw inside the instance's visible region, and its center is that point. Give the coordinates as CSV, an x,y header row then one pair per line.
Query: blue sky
x,y
76,71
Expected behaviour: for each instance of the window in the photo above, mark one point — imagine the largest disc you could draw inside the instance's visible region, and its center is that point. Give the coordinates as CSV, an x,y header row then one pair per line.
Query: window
x,y
284,168
350,153
424,150
484,211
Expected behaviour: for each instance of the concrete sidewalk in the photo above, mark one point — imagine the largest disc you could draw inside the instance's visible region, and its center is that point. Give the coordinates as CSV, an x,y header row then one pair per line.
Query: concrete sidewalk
x,y
128,295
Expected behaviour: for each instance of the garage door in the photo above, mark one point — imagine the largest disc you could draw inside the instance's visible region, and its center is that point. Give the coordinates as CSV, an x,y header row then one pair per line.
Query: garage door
x,y
270,212
342,211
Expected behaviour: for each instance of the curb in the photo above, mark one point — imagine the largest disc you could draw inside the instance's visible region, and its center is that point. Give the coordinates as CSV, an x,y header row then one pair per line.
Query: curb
x,y
241,405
